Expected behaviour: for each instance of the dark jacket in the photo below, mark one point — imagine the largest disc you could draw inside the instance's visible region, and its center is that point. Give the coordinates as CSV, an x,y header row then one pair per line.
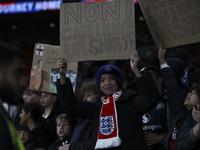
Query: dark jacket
x,y
178,109
40,138
55,145
129,107
82,138
191,142
8,135
51,119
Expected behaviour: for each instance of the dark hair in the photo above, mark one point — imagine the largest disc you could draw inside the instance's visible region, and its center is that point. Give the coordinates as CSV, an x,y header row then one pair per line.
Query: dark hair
x,y
155,69
22,126
8,53
34,109
197,88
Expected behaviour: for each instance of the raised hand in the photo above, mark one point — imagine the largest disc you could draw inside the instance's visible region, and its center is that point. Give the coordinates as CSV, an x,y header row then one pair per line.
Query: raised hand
x,y
196,113
161,54
134,64
62,64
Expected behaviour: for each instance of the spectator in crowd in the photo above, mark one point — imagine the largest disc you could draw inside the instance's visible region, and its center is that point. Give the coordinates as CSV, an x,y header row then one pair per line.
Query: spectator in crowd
x,y
25,136
190,73
63,130
192,139
182,112
12,85
29,96
157,122
117,109
32,116
32,96
84,133
51,110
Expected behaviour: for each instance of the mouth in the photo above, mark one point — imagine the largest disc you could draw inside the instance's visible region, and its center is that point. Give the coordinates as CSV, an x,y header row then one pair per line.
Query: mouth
x,y
61,132
108,88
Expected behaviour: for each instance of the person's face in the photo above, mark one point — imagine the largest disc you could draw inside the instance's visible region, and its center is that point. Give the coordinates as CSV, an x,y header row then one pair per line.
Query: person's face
x,y
12,81
107,84
158,80
192,99
62,129
40,64
23,116
32,97
47,99
89,97
23,135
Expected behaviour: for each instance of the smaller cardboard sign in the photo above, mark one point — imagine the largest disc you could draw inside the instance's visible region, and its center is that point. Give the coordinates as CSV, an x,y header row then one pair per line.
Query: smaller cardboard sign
x,y
172,22
44,72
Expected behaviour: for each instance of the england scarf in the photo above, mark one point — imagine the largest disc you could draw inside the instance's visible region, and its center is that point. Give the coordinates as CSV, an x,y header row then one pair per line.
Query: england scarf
x,y
108,135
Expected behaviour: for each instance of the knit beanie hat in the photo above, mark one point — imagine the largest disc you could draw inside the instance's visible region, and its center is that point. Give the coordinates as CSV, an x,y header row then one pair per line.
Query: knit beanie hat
x,y
110,69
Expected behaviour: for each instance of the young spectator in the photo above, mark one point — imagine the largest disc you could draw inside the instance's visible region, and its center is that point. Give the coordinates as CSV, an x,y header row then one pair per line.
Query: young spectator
x,y
51,110
157,122
25,136
29,96
84,132
182,112
63,130
32,116
118,109
32,96
12,85
190,72
192,139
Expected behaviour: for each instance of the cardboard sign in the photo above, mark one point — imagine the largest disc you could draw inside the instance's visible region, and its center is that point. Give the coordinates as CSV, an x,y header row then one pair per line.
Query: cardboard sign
x,y
172,22
97,30
44,73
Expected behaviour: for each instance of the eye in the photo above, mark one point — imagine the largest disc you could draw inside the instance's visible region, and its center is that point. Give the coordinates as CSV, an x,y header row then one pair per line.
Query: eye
x,y
102,79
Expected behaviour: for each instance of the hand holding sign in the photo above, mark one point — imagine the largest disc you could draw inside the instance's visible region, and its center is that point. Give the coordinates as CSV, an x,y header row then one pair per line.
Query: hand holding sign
x,y
134,64
62,65
161,54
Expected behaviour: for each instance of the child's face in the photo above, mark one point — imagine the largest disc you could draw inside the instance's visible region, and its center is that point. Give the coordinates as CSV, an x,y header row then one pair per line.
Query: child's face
x,y
32,97
47,99
192,99
63,129
23,116
23,135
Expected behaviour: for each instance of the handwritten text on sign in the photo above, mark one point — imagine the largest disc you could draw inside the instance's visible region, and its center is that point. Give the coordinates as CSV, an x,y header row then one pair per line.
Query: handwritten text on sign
x,y
97,30
172,22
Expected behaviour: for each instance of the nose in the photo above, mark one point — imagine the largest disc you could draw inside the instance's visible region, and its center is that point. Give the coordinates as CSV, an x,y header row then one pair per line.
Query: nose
x,y
107,81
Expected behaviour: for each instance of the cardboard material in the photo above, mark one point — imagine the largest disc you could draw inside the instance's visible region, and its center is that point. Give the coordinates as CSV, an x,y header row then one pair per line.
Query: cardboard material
x,y
44,72
172,22
97,30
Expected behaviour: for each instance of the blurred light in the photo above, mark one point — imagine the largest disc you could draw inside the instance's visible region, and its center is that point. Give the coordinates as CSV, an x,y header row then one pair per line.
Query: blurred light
x,y
13,27
52,25
141,18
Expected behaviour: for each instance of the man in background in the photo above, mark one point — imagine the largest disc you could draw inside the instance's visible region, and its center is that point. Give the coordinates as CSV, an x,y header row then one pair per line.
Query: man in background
x,y
12,85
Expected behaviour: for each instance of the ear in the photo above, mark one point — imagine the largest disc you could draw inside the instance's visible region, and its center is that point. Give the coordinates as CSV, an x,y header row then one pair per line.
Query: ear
x,y
54,98
28,115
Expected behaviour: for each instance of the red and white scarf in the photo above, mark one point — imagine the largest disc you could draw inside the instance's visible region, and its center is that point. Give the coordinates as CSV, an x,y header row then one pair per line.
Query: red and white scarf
x,y
108,135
